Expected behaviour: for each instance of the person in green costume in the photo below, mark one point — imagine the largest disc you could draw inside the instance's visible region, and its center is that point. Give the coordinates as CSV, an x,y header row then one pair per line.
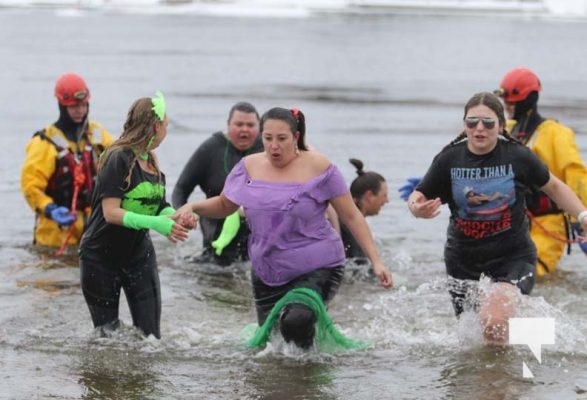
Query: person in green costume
x,y
116,251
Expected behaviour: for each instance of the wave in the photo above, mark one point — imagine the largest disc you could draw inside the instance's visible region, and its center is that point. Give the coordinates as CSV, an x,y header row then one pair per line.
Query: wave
x,y
290,8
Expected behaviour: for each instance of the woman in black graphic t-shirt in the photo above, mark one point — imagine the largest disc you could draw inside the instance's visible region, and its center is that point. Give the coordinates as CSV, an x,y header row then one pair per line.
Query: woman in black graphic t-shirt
x,y
489,237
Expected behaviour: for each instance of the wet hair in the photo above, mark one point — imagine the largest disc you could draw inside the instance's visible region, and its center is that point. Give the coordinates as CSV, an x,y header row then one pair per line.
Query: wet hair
x,y
293,117
365,181
242,106
492,102
138,131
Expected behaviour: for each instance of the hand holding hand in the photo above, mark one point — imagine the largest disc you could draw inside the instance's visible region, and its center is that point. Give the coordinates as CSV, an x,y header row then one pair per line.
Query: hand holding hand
x,y
188,220
183,221
179,233
59,214
185,209
409,187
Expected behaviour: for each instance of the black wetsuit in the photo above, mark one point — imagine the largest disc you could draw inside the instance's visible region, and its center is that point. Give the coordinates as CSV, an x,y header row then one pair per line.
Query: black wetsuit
x,y
351,247
489,237
114,257
208,168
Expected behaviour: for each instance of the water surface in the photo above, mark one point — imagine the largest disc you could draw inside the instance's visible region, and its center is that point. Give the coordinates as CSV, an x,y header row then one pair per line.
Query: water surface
x,y
386,89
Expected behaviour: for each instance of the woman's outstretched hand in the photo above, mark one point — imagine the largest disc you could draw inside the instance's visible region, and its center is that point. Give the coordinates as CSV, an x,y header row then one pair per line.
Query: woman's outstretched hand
x,y
178,233
422,208
384,275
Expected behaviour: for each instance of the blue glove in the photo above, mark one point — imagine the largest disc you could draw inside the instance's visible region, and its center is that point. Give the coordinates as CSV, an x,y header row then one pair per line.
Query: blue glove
x,y
408,188
578,231
59,214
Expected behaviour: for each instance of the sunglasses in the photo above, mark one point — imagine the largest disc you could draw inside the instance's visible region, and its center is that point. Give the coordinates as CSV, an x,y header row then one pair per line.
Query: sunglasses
x,y
472,122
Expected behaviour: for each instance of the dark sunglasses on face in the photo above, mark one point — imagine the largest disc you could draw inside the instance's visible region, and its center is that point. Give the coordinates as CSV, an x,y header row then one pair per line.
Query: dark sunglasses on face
x,y
472,122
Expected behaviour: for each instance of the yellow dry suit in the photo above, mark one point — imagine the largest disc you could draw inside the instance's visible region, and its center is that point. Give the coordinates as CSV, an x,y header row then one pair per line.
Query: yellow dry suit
x,y
48,178
555,145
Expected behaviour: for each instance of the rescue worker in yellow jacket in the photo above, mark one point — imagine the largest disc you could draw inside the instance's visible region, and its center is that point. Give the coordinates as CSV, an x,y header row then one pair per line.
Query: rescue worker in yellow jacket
x,y
554,143
60,163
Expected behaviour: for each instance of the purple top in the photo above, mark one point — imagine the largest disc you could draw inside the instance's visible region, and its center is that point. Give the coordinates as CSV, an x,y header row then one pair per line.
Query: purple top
x,y
290,234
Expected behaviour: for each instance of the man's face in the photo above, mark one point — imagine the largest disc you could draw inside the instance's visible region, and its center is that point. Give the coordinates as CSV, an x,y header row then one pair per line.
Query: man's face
x,y
243,129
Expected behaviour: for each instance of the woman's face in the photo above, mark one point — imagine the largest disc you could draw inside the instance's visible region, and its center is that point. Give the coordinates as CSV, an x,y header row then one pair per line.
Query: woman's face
x,y
482,128
78,112
160,132
372,203
279,142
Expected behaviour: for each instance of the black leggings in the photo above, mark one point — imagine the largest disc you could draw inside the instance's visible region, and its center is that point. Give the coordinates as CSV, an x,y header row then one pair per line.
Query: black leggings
x,y
296,321
102,279
463,284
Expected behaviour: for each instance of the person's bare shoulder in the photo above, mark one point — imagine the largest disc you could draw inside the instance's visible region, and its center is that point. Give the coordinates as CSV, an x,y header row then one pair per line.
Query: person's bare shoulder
x,y
255,157
254,162
318,161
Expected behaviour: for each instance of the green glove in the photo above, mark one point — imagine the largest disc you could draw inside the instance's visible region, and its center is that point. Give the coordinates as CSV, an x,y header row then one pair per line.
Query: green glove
x,y
159,223
230,228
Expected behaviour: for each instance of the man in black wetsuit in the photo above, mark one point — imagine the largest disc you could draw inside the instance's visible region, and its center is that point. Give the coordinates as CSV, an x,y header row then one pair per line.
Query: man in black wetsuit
x,y
208,168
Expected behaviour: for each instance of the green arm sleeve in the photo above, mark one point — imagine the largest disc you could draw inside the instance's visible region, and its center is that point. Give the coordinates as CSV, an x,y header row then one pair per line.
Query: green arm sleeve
x,y
167,211
230,228
159,223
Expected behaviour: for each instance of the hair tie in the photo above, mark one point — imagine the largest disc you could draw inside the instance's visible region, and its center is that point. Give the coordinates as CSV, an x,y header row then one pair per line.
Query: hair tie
x,y
296,113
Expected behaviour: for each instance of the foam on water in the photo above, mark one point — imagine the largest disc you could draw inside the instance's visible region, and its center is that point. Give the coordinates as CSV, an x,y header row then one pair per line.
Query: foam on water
x,y
304,8
568,336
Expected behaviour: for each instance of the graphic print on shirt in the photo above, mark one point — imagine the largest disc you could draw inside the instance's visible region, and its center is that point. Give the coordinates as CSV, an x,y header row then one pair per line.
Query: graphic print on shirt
x,y
484,197
145,198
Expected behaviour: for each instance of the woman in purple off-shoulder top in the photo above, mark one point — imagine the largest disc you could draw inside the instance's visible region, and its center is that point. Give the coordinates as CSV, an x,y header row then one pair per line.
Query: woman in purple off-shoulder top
x,y
284,192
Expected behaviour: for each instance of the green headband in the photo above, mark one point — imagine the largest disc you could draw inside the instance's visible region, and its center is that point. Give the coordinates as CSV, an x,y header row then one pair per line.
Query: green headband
x,y
158,105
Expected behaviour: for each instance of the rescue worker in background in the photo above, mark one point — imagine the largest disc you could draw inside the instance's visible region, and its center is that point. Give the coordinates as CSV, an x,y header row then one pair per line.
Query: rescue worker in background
x,y
555,145
60,161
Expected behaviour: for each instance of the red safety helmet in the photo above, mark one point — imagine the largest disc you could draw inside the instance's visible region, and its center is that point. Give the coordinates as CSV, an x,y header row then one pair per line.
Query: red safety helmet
x,y
517,84
71,89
